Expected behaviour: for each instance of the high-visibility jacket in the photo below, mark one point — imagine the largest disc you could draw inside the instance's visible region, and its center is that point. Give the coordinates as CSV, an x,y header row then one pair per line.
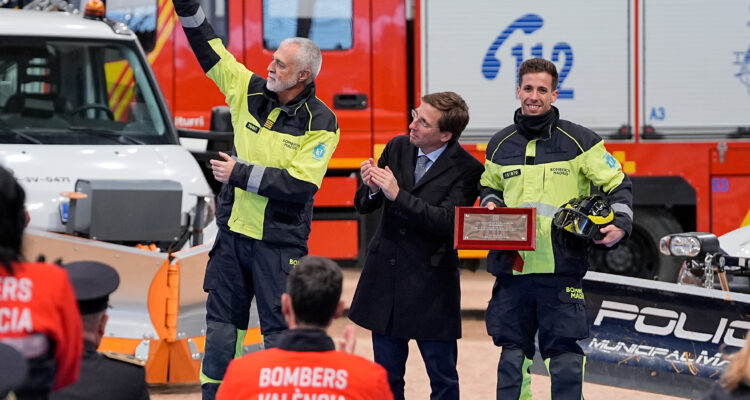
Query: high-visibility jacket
x,y
305,366
39,299
544,170
282,150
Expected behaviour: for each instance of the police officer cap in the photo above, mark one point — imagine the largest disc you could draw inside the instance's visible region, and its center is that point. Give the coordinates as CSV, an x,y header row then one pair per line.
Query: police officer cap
x,y
13,369
93,282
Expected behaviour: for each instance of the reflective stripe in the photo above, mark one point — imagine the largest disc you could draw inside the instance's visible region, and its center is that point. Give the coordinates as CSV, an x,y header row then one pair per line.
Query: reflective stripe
x,y
256,174
622,208
193,21
204,379
241,333
492,198
243,162
542,209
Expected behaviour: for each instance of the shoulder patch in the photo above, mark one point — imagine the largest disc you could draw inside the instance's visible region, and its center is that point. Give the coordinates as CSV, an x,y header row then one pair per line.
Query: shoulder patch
x,y
611,161
319,151
124,358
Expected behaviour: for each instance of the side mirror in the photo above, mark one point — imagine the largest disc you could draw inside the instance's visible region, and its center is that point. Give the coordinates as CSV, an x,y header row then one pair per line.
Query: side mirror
x,y
221,119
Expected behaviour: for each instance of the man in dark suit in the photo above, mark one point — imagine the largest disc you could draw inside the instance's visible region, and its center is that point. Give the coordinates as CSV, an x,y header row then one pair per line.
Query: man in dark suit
x,y
409,287
103,375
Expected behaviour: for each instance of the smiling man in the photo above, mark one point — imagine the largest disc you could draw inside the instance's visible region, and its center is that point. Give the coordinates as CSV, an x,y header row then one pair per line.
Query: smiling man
x,y
284,137
542,161
409,287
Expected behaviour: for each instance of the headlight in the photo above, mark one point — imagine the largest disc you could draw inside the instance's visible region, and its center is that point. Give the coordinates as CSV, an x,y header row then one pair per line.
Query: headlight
x,y
688,246
664,245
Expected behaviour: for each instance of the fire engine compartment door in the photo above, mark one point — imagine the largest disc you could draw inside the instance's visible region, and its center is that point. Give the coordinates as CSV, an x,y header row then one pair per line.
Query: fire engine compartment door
x,y
696,67
474,48
730,180
341,28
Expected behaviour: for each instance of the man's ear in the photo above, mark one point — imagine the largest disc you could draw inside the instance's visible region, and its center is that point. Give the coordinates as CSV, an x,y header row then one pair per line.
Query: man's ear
x,y
103,324
445,136
304,75
287,310
286,304
339,310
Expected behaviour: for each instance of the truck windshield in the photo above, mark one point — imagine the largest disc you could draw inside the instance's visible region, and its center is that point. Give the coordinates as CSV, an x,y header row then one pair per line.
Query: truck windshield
x,y
63,91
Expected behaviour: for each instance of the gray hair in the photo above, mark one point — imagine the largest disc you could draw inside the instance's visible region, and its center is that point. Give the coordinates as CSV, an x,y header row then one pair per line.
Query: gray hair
x,y
308,56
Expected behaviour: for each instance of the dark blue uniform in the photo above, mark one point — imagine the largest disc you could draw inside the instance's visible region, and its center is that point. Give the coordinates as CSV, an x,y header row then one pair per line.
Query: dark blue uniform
x,y
105,376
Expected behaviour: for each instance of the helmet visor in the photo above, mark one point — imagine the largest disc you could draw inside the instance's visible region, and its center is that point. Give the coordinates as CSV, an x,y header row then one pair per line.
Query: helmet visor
x,y
575,222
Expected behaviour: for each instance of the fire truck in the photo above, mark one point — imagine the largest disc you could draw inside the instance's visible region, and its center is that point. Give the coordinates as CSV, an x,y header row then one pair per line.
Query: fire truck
x,y
665,83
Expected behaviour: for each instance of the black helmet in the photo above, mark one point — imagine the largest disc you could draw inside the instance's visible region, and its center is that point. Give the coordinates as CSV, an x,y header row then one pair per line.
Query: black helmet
x,y
584,216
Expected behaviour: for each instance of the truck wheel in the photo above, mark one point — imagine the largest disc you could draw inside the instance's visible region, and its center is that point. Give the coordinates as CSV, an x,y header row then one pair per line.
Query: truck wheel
x,y
639,255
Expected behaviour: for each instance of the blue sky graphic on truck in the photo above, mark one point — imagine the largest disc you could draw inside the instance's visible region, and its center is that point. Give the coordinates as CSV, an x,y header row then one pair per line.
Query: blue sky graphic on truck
x,y
528,24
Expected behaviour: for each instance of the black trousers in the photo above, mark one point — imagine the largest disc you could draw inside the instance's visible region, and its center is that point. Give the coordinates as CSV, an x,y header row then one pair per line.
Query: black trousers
x,y
440,358
240,268
552,306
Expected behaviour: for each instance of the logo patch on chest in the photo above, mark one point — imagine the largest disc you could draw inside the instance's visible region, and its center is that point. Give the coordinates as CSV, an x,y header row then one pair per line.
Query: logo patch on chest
x,y
511,174
252,127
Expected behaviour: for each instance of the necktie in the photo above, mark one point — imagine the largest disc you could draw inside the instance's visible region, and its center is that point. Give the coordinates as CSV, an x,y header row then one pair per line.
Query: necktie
x,y
421,167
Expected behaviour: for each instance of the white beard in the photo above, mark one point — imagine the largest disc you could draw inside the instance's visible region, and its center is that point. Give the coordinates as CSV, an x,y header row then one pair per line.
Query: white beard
x,y
278,85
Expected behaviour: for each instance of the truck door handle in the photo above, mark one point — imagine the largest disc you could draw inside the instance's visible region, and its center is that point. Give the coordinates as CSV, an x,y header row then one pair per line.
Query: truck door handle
x,y
356,101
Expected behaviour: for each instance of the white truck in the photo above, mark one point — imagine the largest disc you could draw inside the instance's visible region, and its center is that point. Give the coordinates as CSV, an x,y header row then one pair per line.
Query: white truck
x,y
104,172
65,127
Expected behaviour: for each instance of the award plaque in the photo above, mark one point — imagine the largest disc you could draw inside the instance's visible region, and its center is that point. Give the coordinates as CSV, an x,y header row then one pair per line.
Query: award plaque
x,y
499,229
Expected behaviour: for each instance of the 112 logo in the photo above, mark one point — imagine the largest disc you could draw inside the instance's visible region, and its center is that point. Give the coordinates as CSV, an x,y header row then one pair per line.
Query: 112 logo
x,y
529,24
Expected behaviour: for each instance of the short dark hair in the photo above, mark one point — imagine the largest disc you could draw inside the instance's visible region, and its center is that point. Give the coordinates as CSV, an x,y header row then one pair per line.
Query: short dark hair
x,y
12,219
455,112
315,288
538,65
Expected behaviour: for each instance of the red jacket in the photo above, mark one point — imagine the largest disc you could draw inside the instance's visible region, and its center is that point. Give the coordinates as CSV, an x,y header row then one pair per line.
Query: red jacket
x,y
38,298
286,374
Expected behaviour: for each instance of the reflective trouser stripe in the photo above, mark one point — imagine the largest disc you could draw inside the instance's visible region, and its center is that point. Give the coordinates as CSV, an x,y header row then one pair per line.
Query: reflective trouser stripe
x,y
240,339
205,379
223,343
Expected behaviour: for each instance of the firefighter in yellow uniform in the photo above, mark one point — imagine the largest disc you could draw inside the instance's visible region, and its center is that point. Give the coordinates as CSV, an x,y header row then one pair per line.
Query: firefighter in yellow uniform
x,y
284,137
543,161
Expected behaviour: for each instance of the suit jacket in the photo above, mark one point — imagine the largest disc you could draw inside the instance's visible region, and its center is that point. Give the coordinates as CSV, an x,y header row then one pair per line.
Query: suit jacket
x,y
409,286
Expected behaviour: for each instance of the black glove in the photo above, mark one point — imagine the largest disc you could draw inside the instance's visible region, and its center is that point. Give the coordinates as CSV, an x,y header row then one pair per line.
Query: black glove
x,y
186,8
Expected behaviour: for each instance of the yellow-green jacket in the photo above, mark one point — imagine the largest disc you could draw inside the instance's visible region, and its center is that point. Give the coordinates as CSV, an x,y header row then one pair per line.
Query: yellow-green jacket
x,y
544,163
282,151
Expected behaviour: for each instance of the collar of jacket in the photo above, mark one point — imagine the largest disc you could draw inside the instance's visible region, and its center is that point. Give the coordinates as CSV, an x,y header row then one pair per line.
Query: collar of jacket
x,y
89,347
537,126
306,340
291,108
